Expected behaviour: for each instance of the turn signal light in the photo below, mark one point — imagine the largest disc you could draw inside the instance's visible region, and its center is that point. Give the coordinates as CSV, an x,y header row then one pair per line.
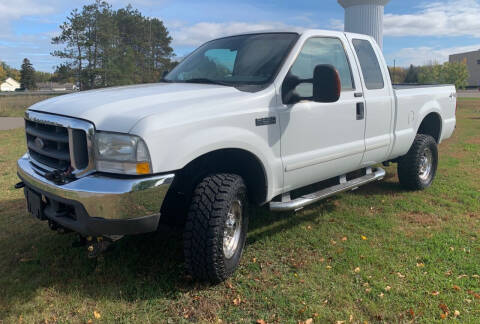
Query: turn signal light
x,y
143,168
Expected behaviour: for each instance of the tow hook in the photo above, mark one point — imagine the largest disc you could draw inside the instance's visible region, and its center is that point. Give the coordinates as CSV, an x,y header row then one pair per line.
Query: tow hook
x,y
20,185
96,246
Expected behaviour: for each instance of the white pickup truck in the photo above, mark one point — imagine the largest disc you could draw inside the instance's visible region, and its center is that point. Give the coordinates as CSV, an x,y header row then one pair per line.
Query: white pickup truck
x,y
280,118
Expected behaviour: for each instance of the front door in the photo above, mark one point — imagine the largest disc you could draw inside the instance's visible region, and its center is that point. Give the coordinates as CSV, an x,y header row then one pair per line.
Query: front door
x,y
322,140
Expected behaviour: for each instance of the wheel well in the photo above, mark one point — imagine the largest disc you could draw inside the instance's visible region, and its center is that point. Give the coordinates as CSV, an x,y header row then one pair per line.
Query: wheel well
x,y
236,161
431,125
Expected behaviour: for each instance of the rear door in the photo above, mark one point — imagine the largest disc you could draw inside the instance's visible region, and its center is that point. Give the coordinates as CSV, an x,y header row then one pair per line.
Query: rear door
x,y
377,92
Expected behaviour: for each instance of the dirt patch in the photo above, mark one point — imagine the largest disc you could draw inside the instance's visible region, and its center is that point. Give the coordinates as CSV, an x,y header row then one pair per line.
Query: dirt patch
x,y
421,219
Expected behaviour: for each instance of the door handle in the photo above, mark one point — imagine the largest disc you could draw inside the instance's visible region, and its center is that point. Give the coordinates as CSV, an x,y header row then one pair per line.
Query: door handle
x,y
360,110
358,94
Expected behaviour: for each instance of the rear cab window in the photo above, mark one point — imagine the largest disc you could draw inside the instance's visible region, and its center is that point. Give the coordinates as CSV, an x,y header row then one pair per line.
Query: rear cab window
x,y
372,74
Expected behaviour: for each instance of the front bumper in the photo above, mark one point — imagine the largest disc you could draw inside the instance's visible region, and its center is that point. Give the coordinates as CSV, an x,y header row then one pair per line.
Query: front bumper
x,y
98,204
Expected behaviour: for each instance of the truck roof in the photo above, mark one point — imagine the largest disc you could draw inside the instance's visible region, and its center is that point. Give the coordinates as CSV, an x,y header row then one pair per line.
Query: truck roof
x,y
296,30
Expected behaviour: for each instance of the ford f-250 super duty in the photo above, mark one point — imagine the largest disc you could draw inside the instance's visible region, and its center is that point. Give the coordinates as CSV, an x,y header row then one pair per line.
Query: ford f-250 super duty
x,y
278,118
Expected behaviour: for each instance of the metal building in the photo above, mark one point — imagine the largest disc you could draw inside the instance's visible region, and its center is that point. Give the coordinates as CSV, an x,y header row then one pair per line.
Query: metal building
x,y
472,59
365,17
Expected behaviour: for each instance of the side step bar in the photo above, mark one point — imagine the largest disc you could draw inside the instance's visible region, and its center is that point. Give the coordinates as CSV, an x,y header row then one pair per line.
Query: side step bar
x,y
286,204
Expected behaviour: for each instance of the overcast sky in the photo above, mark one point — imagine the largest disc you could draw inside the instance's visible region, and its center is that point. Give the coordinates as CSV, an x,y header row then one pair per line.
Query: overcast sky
x,y
416,31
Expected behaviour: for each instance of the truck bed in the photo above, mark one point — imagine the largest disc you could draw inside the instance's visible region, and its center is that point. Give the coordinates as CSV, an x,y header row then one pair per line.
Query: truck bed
x,y
416,86
413,103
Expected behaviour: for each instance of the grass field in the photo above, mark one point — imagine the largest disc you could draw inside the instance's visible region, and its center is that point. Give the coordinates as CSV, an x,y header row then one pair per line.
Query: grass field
x,y
15,105
377,255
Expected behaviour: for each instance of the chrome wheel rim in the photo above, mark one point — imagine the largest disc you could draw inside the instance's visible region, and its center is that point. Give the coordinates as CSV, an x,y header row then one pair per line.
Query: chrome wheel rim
x,y
426,162
232,229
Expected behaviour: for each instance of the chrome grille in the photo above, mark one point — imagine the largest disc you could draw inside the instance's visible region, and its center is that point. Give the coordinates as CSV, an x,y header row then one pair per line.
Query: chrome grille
x,y
48,144
60,143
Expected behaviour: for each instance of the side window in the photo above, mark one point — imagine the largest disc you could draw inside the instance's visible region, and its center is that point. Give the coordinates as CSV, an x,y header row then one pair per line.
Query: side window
x,y
369,64
321,50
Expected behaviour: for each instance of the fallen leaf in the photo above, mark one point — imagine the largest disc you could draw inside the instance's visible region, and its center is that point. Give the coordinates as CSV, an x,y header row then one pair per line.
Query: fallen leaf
x,y
443,315
340,322
329,267
467,300
400,275
96,314
456,313
443,307
254,260
387,288
435,293
462,276
237,301
351,318
309,321
357,270
344,239
261,321
455,287
381,295
333,242
411,312
322,260
448,273
364,237
368,290
420,265
452,248
475,276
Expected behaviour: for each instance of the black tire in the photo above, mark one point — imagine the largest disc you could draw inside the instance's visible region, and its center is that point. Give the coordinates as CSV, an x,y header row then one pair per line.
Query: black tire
x,y
412,168
211,207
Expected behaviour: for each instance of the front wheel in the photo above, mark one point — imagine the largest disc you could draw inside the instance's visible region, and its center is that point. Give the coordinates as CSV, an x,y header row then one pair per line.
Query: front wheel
x,y
417,169
216,227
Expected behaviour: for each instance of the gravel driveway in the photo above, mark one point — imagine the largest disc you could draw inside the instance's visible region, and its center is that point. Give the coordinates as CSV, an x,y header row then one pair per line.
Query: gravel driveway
x,y
11,123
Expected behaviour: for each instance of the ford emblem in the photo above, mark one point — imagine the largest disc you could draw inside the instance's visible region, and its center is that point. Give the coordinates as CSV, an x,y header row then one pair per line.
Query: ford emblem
x,y
39,143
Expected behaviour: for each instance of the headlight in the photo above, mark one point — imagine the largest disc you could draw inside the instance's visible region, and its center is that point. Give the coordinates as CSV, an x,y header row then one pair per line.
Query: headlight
x,y
120,153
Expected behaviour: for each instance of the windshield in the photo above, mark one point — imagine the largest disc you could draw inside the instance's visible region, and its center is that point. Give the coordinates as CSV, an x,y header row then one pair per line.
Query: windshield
x,y
238,60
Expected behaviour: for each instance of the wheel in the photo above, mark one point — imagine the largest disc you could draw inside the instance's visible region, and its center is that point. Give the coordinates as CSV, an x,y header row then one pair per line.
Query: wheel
x,y
417,169
216,227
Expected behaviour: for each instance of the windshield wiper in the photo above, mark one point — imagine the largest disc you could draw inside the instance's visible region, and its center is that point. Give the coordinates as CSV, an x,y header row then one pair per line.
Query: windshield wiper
x,y
208,81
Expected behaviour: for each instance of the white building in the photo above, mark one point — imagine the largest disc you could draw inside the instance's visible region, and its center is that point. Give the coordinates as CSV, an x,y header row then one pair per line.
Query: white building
x,y
365,17
9,85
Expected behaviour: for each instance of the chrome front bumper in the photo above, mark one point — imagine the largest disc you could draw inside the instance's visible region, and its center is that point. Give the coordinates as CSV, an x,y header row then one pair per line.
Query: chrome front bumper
x,y
101,196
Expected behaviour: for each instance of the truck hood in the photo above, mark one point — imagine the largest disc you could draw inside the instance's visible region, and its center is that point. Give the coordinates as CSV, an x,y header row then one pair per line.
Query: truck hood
x,y
119,109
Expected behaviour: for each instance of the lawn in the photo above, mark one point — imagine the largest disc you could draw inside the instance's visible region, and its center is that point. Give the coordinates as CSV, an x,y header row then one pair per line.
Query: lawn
x,y
14,105
378,255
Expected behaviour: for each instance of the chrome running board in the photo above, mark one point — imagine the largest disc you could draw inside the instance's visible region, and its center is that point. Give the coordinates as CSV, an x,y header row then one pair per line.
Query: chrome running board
x,y
286,204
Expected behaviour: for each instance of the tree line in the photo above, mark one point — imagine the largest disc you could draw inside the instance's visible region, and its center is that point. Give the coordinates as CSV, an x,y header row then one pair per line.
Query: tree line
x,y
104,47
447,73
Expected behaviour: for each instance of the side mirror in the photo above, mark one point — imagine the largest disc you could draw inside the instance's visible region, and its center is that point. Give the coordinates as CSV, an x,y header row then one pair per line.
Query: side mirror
x,y
326,86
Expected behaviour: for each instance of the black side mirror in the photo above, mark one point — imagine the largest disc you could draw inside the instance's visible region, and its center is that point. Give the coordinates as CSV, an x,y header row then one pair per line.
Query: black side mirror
x,y
326,86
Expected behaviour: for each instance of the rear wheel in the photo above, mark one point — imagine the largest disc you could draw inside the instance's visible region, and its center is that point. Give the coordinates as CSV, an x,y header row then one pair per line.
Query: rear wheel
x,y
216,227
417,169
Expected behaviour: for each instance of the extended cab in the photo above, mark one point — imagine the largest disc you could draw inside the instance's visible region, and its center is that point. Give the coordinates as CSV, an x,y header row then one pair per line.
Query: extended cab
x,y
278,118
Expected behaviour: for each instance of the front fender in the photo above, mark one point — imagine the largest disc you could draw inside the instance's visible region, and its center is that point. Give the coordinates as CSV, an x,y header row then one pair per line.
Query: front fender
x,y
173,148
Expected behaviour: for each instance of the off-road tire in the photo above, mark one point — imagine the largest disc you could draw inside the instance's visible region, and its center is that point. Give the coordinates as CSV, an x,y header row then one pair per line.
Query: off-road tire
x,y
204,229
410,165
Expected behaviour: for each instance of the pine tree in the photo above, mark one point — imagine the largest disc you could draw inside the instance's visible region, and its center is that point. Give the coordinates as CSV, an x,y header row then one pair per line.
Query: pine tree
x,y
412,75
27,75
106,47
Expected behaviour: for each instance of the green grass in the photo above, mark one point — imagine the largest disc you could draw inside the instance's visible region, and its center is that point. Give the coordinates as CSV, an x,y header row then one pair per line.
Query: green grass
x,y
15,105
331,262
